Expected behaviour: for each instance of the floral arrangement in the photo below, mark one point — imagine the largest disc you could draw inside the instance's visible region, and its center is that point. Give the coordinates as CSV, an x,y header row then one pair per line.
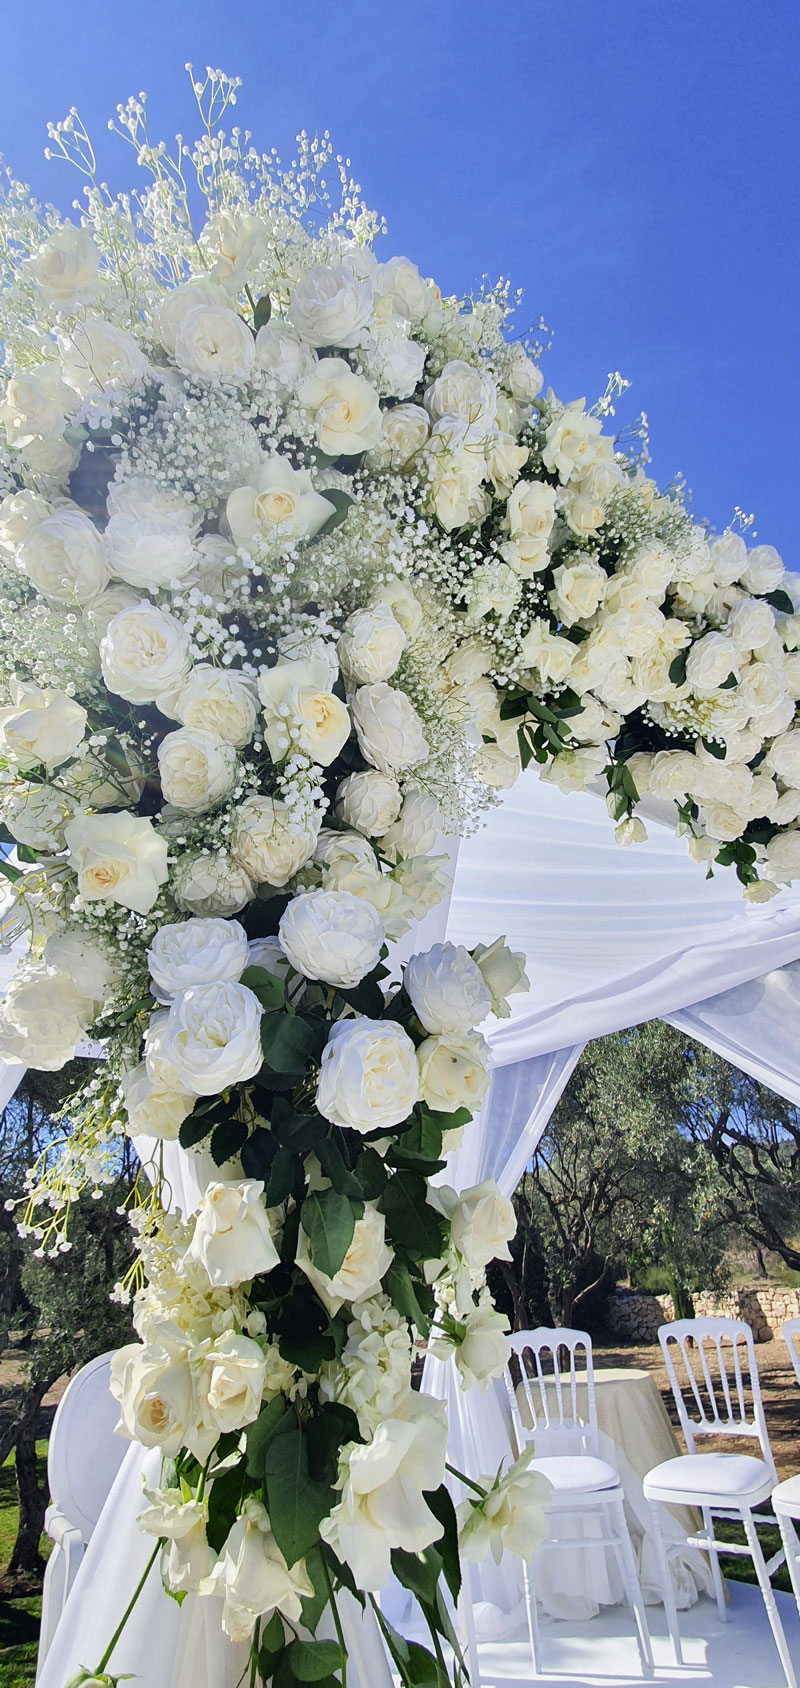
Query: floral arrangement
x,y
300,566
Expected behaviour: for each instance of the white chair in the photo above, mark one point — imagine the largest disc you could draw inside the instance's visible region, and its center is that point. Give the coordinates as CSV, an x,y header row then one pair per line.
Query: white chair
x,y
786,1497
543,1384
790,1331
717,1394
83,1458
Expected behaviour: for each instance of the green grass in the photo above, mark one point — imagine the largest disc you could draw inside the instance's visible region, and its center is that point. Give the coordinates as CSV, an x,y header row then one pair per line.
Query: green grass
x,y
19,1617
742,1569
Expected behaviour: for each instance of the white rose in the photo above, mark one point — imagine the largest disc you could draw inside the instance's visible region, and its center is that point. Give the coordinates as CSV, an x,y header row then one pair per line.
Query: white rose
x,y
230,1383
367,1260
751,624
651,565
20,512
36,815
583,513
764,571
330,306
265,845
709,663
50,463
469,662
178,302
97,355
213,1037
722,822
147,554
332,936
267,953
404,431
371,644
143,653
252,1576
504,460
464,391
220,701
154,1389
347,847
447,989
482,1224
369,801
782,857
65,269
279,507
235,241
405,607
40,726
510,1520
197,952
62,555
671,774
399,281
232,1240
117,857
282,354
630,831
728,557
153,1110
572,441
344,406
503,973
390,732
46,1016
482,1352
300,711
453,1072
416,829
36,405
494,589
100,612
521,377
364,879
93,974
214,343
368,1077
197,769
383,1504
495,768
212,885
392,359
783,757
579,589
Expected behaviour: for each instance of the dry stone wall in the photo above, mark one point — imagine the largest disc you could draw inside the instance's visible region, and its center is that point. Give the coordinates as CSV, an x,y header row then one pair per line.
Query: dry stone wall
x,y
764,1307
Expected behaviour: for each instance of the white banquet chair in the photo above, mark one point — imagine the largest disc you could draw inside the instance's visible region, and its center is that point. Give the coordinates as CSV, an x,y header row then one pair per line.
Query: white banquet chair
x,y
790,1331
83,1458
722,1398
543,1384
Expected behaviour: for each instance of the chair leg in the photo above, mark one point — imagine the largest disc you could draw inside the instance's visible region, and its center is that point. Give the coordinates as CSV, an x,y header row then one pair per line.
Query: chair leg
x,y
768,1594
791,1548
716,1574
532,1616
627,1564
464,1612
667,1588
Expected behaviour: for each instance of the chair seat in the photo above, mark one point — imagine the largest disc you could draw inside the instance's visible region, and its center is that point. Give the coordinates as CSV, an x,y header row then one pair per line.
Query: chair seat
x,y
786,1497
736,1475
573,1473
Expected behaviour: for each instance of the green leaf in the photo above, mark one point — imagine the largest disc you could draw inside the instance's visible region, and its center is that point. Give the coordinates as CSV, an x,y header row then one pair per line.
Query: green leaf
x,y
328,1220
262,311
779,599
333,1165
421,1141
366,998
716,749
416,1667
441,1505
272,1644
9,871
290,1041
370,1170
296,1504
224,1500
727,685
227,1140
409,1219
311,1660
266,986
418,1572
258,1436
341,502
281,1178
193,1130
258,1154
677,669
314,1604
398,1285
27,854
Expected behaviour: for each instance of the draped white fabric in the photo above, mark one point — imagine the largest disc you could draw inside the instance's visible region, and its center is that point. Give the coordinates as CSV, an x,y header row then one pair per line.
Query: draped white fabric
x,y
752,1026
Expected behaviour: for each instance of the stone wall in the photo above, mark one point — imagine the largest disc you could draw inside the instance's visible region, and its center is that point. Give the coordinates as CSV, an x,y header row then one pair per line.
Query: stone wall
x,y
637,1316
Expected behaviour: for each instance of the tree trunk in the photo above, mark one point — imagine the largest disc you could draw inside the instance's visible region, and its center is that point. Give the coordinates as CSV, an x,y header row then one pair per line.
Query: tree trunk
x,y
761,1267
31,1496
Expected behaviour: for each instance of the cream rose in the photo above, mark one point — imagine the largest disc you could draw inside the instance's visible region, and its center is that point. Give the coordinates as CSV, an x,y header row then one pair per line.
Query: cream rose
x,y
36,405
264,843
371,645
212,885
482,1224
387,1478
232,1240
197,952
62,555
117,857
332,936
214,343
783,757
390,732
404,431
368,1077
405,607
369,801
148,554
367,1259
300,711
416,828
447,990
453,1072
40,726
503,973
213,1037
277,508
282,354
399,281
98,355
578,591
230,1383
330,306
465,391
764,571
154,1389
572,441
481,1354
521,377
344,406
44,1016
709,663
197,769
20,512
144,652
66,268
220,701
153,1110
252,1577
178,302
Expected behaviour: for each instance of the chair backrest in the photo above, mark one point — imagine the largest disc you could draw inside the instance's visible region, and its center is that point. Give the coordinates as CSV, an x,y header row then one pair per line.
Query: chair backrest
x,y
84,1455
550,1399
711,1365
790,1331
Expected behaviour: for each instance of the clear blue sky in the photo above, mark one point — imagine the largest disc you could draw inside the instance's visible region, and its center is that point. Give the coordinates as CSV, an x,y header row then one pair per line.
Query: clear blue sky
x,y
633,164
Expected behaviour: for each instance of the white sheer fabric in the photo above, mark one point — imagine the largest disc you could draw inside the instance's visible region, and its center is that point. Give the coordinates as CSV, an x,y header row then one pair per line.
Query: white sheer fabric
x,y
752,1026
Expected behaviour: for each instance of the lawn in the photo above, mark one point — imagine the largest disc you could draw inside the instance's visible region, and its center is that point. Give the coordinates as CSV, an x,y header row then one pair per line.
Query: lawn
x,y
19,1617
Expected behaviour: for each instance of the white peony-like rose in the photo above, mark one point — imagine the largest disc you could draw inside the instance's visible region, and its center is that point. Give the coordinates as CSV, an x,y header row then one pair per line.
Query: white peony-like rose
x,y
521,377
265,844
671,774
464,391
281,354
572,440
43,1017
511,1519
728,558
40,726
212,885
368,1077
332,936
751,624
235,242
782,857
66,268
481,1351
709,663
213,1037
371,645
345,408
383,1504
20,512
232,1240
178,302
447,989
98,355
416,828
220,701
144,652
367,1260
148,554
230,1383
424,881
277,508
301,712
482,1224
404,431
392,359
214,343
153,1109
764,570
196,768
783,757
62,555
252,1577
36,405
369,801
404,605
579,589
36,815
453,1072
330,305
390,732
154,1389
197,952
399,281
119,858
332,847
529,519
